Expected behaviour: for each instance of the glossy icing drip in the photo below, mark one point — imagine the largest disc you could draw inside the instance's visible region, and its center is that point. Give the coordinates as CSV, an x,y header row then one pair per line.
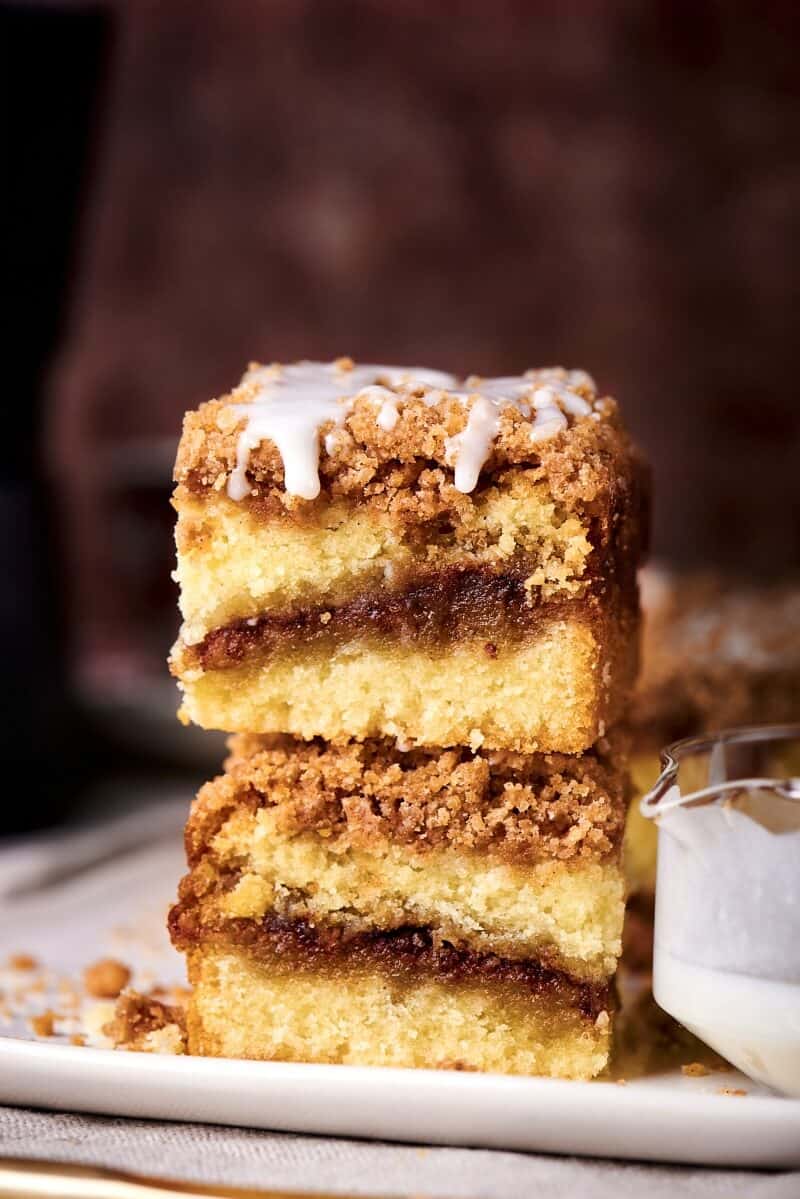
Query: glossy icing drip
x,y
290,405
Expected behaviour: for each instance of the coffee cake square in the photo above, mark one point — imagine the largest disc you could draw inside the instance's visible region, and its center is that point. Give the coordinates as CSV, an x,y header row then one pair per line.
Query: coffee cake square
x,y
369,551
438,908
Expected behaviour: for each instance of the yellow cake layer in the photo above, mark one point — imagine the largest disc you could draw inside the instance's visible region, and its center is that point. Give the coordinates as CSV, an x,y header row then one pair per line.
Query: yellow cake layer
x,y
568,915
242,1009
553,692
233,563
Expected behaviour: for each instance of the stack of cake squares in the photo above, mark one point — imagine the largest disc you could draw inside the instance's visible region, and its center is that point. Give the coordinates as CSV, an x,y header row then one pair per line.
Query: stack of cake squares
x,y
412,600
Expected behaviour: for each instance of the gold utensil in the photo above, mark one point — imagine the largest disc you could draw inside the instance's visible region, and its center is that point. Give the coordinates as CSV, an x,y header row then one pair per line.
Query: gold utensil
x,y
20,1179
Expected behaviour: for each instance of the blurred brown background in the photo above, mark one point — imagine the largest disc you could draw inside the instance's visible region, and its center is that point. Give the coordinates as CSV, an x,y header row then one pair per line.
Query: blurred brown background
x,y
481,186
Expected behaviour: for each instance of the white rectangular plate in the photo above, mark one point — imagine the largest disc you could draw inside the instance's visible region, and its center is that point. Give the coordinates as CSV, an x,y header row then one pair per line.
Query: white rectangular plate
x,y
669,1118
72,922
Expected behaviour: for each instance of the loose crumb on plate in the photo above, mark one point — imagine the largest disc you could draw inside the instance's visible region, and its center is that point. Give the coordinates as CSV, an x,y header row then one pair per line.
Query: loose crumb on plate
x,y
143,1023
83,1011
106,979
695,1070
731,1091
97,1017
43,1025
22,961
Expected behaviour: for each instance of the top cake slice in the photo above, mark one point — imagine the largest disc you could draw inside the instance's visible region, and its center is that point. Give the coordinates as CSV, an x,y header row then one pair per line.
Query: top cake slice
x,y
377,551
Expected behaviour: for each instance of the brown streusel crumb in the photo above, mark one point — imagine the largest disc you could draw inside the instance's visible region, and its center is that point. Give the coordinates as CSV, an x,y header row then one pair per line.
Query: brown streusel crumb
x,y
22,961
106,978
43,1025
146,1024
695,1070
528,807
592,459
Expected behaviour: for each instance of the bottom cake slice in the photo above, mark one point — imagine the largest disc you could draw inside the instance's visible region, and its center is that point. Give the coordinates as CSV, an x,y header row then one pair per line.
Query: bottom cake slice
x,y
394,1001
361,905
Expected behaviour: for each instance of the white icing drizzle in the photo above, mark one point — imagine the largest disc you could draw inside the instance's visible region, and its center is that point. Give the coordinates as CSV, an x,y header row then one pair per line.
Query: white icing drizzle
x,y
389,414
469,449
290,404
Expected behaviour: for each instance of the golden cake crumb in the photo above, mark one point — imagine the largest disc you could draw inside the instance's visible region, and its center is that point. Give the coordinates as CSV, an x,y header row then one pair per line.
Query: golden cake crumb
x,y
43,1025
97,1017
22,961
143,1023
731,1091
695,1070
106,978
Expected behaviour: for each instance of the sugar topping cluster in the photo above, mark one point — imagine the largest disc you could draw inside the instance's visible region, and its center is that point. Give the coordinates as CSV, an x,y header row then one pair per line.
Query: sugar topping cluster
x,y
291,404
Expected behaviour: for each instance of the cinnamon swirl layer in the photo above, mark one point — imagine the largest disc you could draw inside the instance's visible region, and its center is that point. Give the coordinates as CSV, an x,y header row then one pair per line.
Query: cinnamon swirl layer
x,y
556,687
237,561
436,610
295,948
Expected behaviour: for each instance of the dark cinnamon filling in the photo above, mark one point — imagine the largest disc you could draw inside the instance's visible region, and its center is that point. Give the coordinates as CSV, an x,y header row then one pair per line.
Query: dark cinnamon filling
x,y
434,610
404,954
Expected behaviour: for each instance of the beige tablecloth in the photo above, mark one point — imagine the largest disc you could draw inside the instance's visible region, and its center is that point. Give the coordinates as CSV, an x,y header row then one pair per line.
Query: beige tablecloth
x,y
238,1157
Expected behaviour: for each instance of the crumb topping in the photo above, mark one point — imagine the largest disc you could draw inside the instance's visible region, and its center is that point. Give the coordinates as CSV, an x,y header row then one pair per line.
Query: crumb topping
x,y
298,430
517,806
289,405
